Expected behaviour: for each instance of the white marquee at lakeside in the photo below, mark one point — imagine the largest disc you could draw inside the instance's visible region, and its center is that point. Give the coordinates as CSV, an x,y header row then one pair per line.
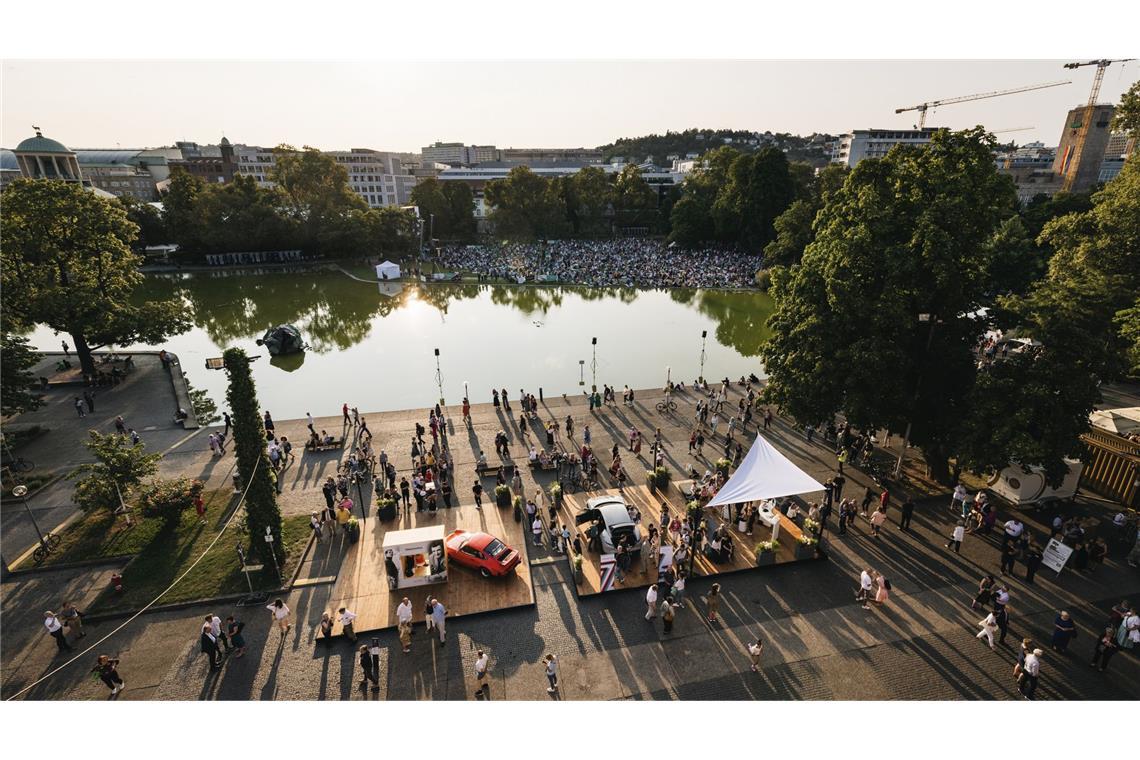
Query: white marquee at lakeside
x,y
765,473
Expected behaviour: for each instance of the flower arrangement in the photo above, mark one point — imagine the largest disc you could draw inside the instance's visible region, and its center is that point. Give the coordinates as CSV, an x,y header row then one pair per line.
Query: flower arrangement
x,y
806,540
556,492
500,490
810,525
767,546
723,464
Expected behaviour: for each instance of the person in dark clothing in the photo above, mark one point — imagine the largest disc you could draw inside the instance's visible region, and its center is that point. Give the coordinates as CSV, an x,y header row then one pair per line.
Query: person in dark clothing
x,y
477,492
107,668
366,669
229,423
837,486
89,397
209,646
1105,648
1008,558
1032,561
406,494
906,514
1001,617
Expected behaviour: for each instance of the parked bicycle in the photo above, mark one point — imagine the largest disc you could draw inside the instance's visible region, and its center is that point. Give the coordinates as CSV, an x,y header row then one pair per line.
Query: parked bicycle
x,y
50,543
667,405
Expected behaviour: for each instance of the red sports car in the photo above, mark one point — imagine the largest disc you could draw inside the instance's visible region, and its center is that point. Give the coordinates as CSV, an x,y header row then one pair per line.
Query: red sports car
x,y
482,552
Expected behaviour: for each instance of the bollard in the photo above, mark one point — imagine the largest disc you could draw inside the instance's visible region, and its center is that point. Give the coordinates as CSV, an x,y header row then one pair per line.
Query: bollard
x,y
540,393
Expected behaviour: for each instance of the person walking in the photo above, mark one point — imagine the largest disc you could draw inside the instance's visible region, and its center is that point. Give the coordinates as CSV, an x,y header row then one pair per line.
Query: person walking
x,y
346,618
651,602
71,617
550,664
985,593
989,626
234,630
1001,617
712,601
438,618
481,663
1032,559
1008,557
55,628
229,423
367,672
956,537
536,529
906,513
477,490
107,668
866,585
668,613
279,612
1031,672
877,519
1105,648
755,649
80,407
209,646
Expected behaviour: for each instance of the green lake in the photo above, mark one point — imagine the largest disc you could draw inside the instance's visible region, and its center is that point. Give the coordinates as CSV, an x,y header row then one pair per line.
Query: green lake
x,y
372,345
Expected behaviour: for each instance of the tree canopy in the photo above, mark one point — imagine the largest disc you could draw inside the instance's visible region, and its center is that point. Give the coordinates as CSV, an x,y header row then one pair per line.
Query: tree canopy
x,y
118,463
16,380
67,264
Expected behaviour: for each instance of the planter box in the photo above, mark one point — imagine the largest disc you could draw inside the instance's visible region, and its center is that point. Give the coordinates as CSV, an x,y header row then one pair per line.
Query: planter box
x,y
504,500
765,558
805,552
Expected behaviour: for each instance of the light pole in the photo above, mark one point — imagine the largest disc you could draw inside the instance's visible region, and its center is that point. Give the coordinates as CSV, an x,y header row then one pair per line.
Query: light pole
x,y
917,387
21,493
439,379
466,395
594,366
704,337
273,550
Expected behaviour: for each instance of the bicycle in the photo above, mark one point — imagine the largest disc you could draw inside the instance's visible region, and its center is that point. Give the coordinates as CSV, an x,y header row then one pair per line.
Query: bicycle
x,y
667,405
51,541
19,464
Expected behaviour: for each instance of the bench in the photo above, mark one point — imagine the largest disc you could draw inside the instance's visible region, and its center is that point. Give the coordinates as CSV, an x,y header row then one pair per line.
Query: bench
x,y
337,444
536,464
490,470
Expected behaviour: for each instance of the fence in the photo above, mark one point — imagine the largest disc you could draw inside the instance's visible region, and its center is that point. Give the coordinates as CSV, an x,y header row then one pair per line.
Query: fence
x,y
1112,467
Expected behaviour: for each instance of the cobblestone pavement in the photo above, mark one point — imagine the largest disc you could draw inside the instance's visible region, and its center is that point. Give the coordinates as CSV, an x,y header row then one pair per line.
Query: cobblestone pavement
x,y
819,643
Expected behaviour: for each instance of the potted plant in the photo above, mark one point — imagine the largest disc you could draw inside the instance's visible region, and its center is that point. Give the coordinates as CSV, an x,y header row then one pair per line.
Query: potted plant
x,y
518,509
811,527
805,547
722,466
502,496
387,508
556,494
766,552
651,480
352,529
576,562
661,475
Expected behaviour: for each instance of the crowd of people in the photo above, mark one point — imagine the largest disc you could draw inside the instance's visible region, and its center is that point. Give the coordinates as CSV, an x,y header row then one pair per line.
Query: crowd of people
x,y
621,262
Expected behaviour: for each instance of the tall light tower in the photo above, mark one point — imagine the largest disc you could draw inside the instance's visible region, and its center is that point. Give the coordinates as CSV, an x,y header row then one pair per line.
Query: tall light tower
x,y
704,337
439,378
594,366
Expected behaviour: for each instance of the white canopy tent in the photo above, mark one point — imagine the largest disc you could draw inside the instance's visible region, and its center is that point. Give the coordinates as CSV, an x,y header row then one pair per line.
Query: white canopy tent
x,y
1121,421
764,474
387,271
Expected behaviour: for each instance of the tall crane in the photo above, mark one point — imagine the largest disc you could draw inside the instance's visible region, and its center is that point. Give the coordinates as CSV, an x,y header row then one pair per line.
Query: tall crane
x,y
922,107
1072,165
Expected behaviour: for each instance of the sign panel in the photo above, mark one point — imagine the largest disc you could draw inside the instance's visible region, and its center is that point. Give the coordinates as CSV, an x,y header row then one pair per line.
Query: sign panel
x,y
1056,554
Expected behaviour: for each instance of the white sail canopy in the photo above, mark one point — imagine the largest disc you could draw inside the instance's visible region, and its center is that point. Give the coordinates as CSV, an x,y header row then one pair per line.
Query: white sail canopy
x,y
764,474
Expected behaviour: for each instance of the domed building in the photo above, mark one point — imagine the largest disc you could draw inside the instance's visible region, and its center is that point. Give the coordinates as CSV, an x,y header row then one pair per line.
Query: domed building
x,y
41,157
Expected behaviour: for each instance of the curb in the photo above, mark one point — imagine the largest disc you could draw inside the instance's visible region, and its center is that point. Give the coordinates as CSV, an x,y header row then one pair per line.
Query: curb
x,y
114,560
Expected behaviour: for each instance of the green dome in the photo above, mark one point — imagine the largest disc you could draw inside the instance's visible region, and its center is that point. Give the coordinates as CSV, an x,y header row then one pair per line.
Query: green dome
x,y
41,144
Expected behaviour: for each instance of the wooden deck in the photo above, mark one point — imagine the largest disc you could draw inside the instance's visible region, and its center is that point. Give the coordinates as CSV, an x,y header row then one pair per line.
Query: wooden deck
x,y
650,506
362,585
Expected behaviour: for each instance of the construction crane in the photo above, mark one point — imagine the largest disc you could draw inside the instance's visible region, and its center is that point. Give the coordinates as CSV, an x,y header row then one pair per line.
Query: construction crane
x,y
1101,64
1012,129
1073,161
922,107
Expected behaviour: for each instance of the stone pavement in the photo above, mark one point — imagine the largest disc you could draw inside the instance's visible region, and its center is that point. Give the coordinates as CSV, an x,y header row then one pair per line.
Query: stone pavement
x,y
819,643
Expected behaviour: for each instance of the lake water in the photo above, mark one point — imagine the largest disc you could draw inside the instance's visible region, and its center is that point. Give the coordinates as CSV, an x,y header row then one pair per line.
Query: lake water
x,y
375,350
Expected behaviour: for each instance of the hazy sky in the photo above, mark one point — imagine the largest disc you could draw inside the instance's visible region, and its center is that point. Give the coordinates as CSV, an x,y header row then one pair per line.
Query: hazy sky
x,y
404,106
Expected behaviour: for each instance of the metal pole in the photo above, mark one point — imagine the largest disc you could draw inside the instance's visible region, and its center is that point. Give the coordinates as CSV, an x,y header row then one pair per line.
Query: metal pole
x,y
21,491
917,387
439,378
594,366
704,336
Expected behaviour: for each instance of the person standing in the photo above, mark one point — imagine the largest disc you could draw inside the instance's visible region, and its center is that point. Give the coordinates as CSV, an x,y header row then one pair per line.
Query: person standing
x,y
1031,671
438,617
1064,631
1008,557
71,617
229,423
279,612
956,537
1032,561
907,512
651,602
1105,648
404,623
107,669
219,635
89,397
234,630
550,664
477,490
55,628
755,649
347,616
866,584
668,613
367,672
209,645
1001,617
536,529
481,663
877,519
66,348
80,407
712,600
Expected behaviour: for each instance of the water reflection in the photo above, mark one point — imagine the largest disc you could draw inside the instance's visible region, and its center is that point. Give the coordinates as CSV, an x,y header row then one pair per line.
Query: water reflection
x,y
335,312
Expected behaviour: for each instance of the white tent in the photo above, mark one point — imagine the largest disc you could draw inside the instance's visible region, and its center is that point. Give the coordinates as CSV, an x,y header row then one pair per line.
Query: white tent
x,y
764,474
387,271
1122,421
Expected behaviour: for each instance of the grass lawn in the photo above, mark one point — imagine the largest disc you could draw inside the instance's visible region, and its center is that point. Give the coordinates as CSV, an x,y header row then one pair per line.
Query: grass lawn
x,y
165,552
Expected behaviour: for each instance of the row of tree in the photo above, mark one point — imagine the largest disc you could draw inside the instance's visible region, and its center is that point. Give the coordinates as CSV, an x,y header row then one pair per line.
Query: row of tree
x,y
878,282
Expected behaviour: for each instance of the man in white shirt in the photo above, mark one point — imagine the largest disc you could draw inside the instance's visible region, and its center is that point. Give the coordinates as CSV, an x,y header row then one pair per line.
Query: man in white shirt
x,y
958,500
346,618
1031,669
651,602
865,585
438,615
312,429
216,629
55,628
536,529
404,623
481,661
1013,530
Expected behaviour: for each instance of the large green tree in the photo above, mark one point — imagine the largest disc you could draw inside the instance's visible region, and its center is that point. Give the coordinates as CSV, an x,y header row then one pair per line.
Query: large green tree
x,y
67,264
759,189
253,465
118,469
525,206
793,228
691,217
872,321
17,393
1127,115
450,203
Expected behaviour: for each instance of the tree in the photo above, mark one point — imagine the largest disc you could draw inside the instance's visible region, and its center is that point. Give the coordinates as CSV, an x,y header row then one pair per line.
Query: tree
x,y
67,263
118,469
254,471
525,206
450,203
1127,115
152,228
903,239
1015,262
588,196
690,218
793,228
16,389
758,190
1128,323
181,212
315,193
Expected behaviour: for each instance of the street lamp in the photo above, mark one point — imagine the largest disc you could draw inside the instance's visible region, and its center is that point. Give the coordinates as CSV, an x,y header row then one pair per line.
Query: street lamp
x,y
21,493
704,337
439,379
594,366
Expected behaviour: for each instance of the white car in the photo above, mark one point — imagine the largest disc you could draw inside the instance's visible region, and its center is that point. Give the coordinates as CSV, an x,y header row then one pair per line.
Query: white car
x,y
611,515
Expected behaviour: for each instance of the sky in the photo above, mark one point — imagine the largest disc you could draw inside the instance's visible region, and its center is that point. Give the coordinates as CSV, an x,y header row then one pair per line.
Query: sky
x,y
403,106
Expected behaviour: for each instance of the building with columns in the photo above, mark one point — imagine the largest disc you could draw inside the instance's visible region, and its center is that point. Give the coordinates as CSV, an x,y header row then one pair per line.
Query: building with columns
x,y
41,157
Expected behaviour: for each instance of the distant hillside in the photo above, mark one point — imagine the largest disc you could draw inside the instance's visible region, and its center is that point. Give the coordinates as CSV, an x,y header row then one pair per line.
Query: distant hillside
x,y
660,147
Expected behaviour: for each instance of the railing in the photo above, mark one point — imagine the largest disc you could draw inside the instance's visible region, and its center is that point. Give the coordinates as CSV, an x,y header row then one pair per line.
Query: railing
x,y
1112,467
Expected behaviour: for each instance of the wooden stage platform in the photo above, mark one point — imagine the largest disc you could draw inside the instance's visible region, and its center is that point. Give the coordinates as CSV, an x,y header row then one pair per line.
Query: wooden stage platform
x,y
362,584
650,506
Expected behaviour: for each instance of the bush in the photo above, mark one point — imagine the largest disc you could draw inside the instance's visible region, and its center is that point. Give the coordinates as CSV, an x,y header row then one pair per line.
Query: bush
x,y
500,490
723,464
764,279
166,499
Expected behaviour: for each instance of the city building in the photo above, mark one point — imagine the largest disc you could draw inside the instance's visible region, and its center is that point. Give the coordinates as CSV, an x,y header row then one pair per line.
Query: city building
x,y
550,155
9,167
211,163
377,177
41,157
852,148
1084,140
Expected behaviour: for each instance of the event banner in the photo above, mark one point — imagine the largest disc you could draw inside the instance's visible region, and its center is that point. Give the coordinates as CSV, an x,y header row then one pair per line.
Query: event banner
x,y
1056,555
